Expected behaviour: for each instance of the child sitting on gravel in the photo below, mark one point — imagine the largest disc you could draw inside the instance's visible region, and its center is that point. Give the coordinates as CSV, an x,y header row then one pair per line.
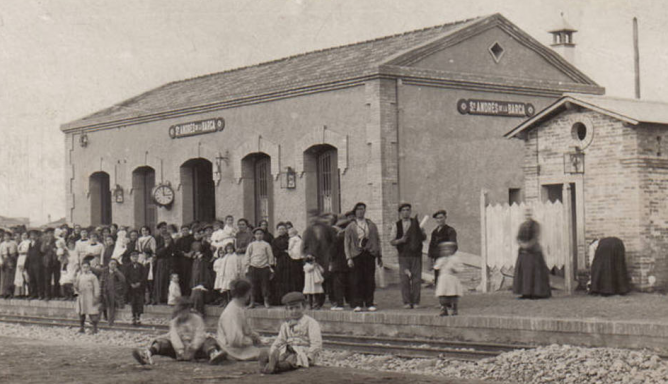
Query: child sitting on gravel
x,y
235,335
298,342
448,286
186,340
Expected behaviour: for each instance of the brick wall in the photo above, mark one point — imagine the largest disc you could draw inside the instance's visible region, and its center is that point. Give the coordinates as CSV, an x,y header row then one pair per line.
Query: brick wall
x,y
283,123
624,193
652,165
381,140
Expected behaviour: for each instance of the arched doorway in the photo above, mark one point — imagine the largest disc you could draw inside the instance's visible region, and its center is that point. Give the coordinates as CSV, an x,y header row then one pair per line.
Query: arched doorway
x,y
258,187
198,191
322,179
143,182
100,198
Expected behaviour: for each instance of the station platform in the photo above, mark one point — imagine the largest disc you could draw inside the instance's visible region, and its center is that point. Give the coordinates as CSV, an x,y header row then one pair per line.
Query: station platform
x,y
634,321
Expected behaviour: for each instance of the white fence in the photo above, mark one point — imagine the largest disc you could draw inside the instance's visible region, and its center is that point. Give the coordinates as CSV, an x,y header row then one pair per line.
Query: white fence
x,y
500,224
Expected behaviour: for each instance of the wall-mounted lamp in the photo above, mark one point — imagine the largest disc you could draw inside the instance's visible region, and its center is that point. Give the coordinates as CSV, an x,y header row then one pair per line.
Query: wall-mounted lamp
x,y
83,140
218,173
289,180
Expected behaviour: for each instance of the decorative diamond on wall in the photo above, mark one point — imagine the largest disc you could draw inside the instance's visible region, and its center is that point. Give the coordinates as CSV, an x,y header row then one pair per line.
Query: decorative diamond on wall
x,y
497,51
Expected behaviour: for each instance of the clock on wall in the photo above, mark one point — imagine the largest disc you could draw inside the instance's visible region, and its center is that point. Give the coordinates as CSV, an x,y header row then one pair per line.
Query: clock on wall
x,y
163,195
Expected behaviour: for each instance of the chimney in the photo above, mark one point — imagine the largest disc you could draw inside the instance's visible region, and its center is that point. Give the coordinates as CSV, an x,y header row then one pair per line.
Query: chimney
x,y
562,40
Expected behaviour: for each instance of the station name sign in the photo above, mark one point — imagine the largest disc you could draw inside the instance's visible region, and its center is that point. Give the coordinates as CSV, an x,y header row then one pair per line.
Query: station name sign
x,y
495,108
196,128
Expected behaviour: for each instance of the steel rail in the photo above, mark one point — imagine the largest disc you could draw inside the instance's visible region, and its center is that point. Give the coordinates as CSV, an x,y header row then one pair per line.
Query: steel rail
x,y
401,347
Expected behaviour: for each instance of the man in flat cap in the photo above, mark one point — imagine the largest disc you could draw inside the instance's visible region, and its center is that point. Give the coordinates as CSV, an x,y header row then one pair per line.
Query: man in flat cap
x,y
441,234
407,236
362,247
299,339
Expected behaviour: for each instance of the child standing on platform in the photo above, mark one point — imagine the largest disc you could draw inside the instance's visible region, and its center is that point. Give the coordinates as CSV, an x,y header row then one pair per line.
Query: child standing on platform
x,y
259,263
313,280
112,286
299,340
228,269
448,286
174,290
87,288
135,278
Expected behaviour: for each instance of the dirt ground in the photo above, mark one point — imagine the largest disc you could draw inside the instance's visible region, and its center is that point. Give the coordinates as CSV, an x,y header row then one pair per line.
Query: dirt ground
x,y
40,361
634,306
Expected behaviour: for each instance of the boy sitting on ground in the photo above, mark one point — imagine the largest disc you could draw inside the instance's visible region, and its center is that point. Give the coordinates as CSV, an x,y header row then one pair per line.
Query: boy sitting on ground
x,y
186,339
298,342
235,335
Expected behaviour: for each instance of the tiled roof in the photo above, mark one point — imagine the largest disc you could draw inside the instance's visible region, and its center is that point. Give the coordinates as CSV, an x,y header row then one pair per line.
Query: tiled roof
x,y
631,111
639,110
309,68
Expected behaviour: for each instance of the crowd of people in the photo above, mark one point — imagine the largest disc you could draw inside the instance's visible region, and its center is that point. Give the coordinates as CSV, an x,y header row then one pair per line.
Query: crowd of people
x,y
335,257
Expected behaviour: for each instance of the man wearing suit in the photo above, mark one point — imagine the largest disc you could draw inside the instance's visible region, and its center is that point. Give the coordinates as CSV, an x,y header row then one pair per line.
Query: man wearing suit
x,y
35,267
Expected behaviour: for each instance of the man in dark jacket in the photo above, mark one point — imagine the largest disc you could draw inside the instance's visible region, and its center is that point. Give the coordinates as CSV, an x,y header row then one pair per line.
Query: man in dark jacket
x,y
407,236
338,266
35,267
441,234
51,265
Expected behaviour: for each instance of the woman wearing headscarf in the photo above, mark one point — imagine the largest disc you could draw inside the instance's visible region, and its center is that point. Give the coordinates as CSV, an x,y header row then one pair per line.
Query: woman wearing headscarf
x,y
532,277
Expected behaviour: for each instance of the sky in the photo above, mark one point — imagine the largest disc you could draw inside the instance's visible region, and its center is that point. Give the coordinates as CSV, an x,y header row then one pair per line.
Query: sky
x,y
62,60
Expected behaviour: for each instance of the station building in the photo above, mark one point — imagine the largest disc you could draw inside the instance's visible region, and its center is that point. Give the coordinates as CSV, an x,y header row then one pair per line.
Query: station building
x,y
418,117
612,152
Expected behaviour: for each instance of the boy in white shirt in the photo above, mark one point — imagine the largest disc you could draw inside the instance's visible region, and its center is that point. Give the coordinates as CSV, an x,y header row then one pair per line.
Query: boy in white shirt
x,y
299,339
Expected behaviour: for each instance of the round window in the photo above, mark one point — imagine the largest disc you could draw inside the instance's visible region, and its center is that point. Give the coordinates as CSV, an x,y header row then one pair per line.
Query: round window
x,y
579,131
582,132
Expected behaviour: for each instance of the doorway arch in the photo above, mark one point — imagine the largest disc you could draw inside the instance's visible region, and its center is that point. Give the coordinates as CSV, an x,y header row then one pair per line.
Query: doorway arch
x,y
198,191
258,187
145,210
322,179
100,198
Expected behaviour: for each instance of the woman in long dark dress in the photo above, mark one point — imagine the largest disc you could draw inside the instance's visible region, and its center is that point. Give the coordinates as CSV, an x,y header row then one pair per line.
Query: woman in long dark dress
x,y
282,275
164,258
609,275
532,277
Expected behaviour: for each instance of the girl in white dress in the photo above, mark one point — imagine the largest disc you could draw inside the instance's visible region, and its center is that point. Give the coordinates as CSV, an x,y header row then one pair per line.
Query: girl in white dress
x,y
20,281
228,268
313,280
448,288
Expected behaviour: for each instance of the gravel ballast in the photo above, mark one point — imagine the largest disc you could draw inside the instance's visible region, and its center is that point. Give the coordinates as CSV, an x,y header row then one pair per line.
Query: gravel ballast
x,y
551,364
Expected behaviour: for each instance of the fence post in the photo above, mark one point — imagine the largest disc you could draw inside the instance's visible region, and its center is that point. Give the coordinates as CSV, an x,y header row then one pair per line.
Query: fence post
x,y
568,236
483,241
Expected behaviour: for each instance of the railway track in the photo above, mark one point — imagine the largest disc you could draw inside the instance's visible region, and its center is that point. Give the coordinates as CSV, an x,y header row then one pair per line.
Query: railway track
x,y
402,347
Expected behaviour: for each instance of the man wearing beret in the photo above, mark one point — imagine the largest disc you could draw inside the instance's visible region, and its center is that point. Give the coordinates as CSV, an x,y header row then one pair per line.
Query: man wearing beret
x,y
441,234
362,247
407,236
